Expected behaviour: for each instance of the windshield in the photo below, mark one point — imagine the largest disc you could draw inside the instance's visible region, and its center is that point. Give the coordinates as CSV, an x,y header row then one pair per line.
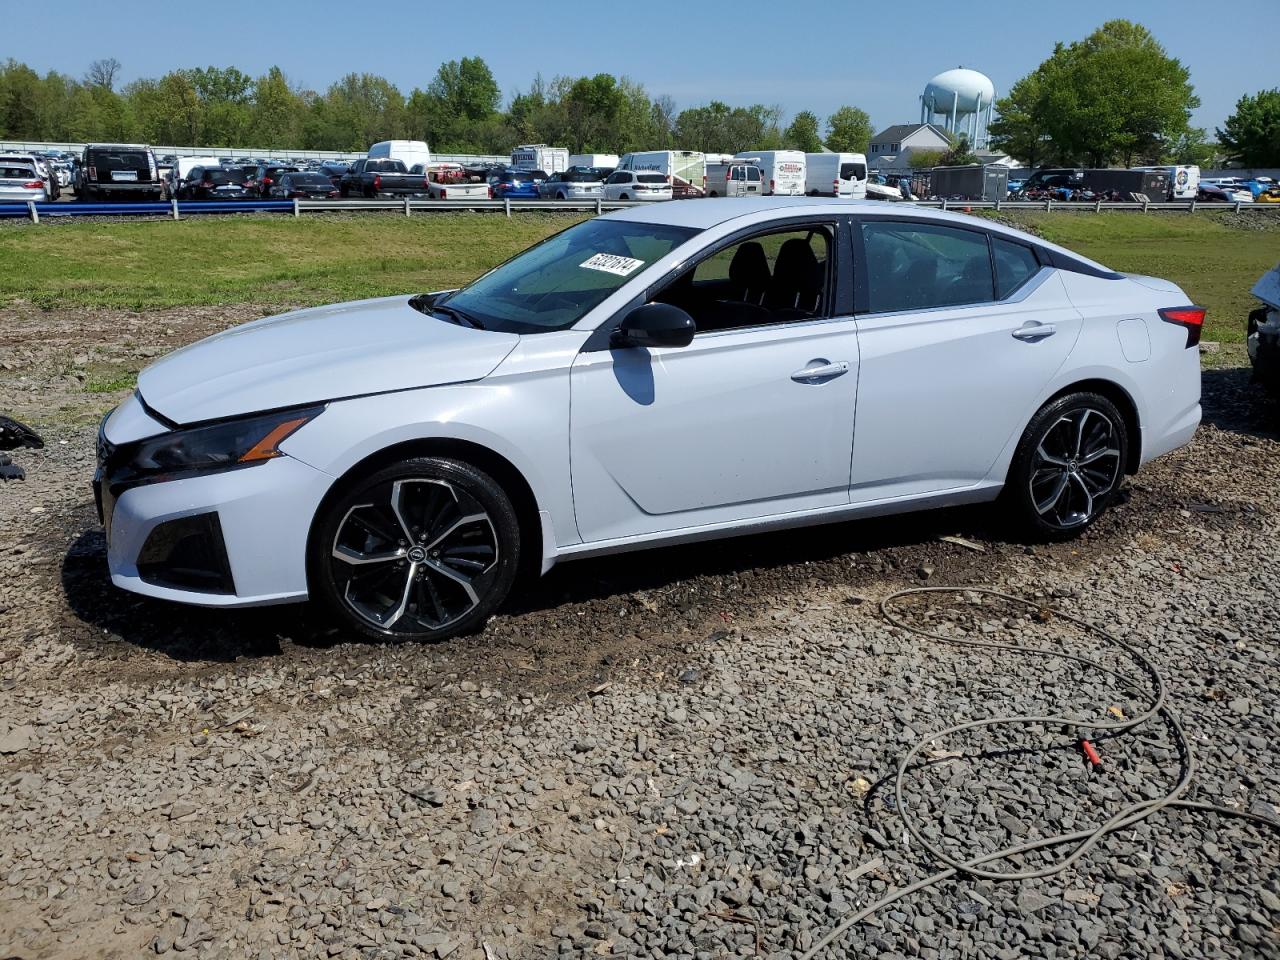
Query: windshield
x,y
553,285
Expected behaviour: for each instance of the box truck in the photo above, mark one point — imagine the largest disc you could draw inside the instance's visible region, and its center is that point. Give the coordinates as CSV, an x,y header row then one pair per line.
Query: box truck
x,y
596,161
539,156
835,175
1152,184
783,170
408,152
685,170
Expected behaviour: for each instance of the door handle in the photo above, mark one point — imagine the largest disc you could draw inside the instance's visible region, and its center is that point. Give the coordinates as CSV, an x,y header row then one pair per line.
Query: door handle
x,y
820,371
1032,331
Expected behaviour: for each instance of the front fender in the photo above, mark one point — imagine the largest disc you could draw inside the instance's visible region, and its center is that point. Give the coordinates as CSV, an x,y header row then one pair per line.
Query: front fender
x,y
528,427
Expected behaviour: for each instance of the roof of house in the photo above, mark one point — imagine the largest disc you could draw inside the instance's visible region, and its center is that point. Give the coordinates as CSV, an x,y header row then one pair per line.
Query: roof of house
x,y
900,131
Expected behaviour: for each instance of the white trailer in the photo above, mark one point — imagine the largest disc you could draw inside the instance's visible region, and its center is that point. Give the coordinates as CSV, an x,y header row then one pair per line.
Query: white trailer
x,y
685,170
408,152
835,175
596,161
783,170
1184,180
539,156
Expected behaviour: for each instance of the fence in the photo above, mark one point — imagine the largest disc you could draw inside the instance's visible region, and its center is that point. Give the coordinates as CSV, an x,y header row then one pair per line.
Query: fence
x,y
176,209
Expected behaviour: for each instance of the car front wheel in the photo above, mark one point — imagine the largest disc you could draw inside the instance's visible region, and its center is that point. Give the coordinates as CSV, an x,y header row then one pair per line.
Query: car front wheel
x,y
1068,466
424,549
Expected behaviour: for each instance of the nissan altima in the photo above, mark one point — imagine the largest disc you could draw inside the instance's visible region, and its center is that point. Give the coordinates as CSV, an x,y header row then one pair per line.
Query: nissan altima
x,y
657,375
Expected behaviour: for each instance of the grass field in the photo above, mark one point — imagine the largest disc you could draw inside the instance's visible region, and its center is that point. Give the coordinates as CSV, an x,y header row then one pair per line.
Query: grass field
x,y
281,260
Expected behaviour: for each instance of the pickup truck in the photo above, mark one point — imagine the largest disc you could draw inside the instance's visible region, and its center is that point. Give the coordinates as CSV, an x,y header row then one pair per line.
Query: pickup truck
x,y
449,181
379,178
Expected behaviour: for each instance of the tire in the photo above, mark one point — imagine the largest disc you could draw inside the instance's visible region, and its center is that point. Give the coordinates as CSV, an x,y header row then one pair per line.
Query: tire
x,y
430,590
561,196
1068,466
623,196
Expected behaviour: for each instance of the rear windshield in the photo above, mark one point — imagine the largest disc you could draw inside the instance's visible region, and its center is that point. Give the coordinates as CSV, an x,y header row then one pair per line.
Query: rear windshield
x,y
221,176
580,176
853,171
526,176
17,173
651,178
310,180
119,160
385,166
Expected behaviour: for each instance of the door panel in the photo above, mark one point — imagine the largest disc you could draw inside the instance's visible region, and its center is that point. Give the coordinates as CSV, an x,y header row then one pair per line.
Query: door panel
x,y
716,431
942,391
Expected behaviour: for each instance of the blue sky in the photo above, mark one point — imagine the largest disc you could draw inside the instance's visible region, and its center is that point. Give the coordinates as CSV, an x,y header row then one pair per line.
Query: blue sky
x,y
799,55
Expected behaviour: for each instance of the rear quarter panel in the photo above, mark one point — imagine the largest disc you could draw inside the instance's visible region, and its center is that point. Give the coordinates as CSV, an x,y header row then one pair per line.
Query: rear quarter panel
x,y
1165,385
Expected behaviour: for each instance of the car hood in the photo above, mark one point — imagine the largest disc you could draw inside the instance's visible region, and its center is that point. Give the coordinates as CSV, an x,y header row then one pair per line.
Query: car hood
x,y
323,353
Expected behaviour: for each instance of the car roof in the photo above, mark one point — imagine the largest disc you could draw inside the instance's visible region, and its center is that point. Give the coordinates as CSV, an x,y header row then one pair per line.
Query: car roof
x,y
706,213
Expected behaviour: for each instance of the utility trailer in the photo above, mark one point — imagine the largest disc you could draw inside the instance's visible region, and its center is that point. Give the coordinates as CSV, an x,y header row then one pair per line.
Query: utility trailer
x,y
971,182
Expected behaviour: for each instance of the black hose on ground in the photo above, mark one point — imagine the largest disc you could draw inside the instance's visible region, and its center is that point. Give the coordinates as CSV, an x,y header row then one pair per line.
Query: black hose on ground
x,y
1082,840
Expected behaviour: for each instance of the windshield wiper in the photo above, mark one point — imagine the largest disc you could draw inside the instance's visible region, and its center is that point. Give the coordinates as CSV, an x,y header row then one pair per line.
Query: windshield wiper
x,y
459,317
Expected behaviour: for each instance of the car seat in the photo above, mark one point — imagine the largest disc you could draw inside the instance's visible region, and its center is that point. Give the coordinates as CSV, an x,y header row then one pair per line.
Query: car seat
x,y
795,290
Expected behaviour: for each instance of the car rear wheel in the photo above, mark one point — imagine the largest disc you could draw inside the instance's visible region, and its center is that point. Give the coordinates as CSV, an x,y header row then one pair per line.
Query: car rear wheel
x,y
424,549
1068,466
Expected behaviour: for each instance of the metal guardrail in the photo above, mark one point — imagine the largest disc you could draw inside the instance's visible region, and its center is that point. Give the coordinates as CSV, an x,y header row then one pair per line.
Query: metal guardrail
x,y
176,209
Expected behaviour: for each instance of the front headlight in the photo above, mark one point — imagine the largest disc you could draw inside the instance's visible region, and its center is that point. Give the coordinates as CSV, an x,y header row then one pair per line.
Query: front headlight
x,y
213,447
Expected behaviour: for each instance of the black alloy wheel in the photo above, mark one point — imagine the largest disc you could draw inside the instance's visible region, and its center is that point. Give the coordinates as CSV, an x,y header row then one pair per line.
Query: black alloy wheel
x,y
1068,466
421,550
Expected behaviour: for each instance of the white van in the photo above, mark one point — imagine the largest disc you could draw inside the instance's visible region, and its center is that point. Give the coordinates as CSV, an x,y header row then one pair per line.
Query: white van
x,y
1184,180
539,156
597,161
783,170
685,170
734,178
408,152
835,175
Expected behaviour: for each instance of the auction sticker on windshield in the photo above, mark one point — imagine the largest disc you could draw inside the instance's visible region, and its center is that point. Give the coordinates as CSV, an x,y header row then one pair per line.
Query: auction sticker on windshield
x,y
612,263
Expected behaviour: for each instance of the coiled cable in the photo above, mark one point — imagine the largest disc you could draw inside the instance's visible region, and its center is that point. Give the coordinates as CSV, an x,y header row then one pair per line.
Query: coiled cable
x,y
1083,840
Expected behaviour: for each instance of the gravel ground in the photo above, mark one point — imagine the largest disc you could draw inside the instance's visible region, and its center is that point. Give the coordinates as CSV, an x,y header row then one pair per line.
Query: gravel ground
x,y
686,753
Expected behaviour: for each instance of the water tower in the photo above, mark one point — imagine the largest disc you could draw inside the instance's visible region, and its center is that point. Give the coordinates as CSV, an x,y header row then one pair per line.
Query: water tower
x,y
963,99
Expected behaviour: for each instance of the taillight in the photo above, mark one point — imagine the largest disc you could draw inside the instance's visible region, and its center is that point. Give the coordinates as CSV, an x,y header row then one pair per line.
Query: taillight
x,y
1190,317
425,183
377,181
771,186
93,173
34,185
490,193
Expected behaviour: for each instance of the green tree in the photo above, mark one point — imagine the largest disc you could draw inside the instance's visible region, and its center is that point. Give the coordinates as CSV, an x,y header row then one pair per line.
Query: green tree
x,y
803,132
1115,95
959,155
1020,127
849,130
466,88
276,116
1251,135
925,159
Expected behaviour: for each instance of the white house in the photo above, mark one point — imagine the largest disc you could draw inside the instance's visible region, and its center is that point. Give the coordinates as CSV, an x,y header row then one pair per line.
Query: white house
x,y
891,148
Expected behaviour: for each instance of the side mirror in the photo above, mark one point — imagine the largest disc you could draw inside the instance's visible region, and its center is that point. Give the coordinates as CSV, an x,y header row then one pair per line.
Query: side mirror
x,y
655,325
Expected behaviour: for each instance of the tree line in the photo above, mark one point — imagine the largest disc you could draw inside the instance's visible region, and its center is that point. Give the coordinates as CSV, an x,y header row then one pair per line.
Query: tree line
x,y
461,110
1117,97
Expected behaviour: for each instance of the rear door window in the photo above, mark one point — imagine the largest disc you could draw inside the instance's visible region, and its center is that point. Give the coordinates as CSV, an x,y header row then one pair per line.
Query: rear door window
x,y
919,266
1015,265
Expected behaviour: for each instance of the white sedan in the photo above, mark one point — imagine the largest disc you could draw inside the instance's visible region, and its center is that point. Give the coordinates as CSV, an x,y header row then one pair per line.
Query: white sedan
x,y
662,374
